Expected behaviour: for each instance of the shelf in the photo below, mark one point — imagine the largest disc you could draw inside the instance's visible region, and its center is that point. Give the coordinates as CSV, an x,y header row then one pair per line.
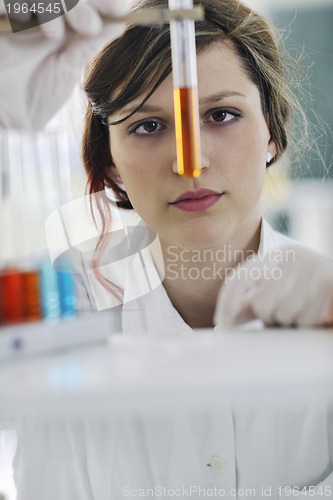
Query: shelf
x,y
112,373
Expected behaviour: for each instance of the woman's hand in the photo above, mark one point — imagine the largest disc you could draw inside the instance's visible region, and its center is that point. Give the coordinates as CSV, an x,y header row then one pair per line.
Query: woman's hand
x,y
39,69
291,286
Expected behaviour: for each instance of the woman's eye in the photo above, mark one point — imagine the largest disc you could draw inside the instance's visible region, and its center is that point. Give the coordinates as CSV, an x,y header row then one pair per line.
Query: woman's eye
x,y
223,116
146,128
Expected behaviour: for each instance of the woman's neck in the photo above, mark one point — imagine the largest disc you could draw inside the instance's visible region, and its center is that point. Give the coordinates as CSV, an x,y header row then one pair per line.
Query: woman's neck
x,y
194,277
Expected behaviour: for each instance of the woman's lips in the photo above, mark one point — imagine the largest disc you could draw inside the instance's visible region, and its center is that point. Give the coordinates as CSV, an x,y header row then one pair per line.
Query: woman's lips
x,y
194,201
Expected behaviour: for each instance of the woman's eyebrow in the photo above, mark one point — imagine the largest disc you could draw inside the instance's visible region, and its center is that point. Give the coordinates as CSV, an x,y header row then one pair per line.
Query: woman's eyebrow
x,y
150,108
220,96
146,108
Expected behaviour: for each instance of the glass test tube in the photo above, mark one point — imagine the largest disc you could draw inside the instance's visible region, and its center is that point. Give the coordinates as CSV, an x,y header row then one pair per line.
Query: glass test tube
x,y
32,223
47,160
185,83
12,299
58,289
64,267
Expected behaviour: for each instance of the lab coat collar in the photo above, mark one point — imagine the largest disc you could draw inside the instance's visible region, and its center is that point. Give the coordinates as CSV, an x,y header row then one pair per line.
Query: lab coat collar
x,y
153,312
150,312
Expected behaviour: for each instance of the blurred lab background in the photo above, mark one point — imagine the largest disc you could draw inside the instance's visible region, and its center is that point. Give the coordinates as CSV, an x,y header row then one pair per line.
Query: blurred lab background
x,y
298,196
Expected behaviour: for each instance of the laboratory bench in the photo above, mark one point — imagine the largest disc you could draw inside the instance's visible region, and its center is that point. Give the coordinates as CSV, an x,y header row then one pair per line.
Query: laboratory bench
x,y
79,367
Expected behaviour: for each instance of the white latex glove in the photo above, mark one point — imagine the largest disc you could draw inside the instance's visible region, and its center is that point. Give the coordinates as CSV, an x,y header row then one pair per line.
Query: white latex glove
x,y
39,69
290,286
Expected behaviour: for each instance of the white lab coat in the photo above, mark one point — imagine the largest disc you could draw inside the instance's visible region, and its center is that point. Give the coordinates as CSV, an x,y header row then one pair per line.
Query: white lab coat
x,y
261,450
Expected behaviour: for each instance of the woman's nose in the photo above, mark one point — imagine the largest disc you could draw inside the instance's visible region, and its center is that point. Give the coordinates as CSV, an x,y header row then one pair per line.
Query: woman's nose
x,y
204,162
204,158
175,165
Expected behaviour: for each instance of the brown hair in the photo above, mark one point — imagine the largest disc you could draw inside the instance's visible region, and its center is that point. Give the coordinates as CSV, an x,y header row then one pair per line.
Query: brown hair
x,y
140,60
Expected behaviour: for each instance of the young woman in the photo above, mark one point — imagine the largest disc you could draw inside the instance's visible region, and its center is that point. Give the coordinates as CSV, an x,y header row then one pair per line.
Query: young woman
x,y
165,274
207,225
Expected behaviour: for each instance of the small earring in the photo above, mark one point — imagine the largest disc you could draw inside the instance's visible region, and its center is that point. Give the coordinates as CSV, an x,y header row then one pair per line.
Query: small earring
x,y
268,157
118,178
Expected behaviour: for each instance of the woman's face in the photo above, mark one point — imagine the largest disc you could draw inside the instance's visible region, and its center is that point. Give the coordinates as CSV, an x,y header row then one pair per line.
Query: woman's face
x,y
234,143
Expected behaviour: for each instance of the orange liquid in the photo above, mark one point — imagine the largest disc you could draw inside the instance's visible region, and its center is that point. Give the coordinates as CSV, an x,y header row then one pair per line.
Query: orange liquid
x,y
187,131
1,303
12,296
32,308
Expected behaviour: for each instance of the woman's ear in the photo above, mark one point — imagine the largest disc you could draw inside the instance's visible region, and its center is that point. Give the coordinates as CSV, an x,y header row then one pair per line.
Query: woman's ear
x,y
271,150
